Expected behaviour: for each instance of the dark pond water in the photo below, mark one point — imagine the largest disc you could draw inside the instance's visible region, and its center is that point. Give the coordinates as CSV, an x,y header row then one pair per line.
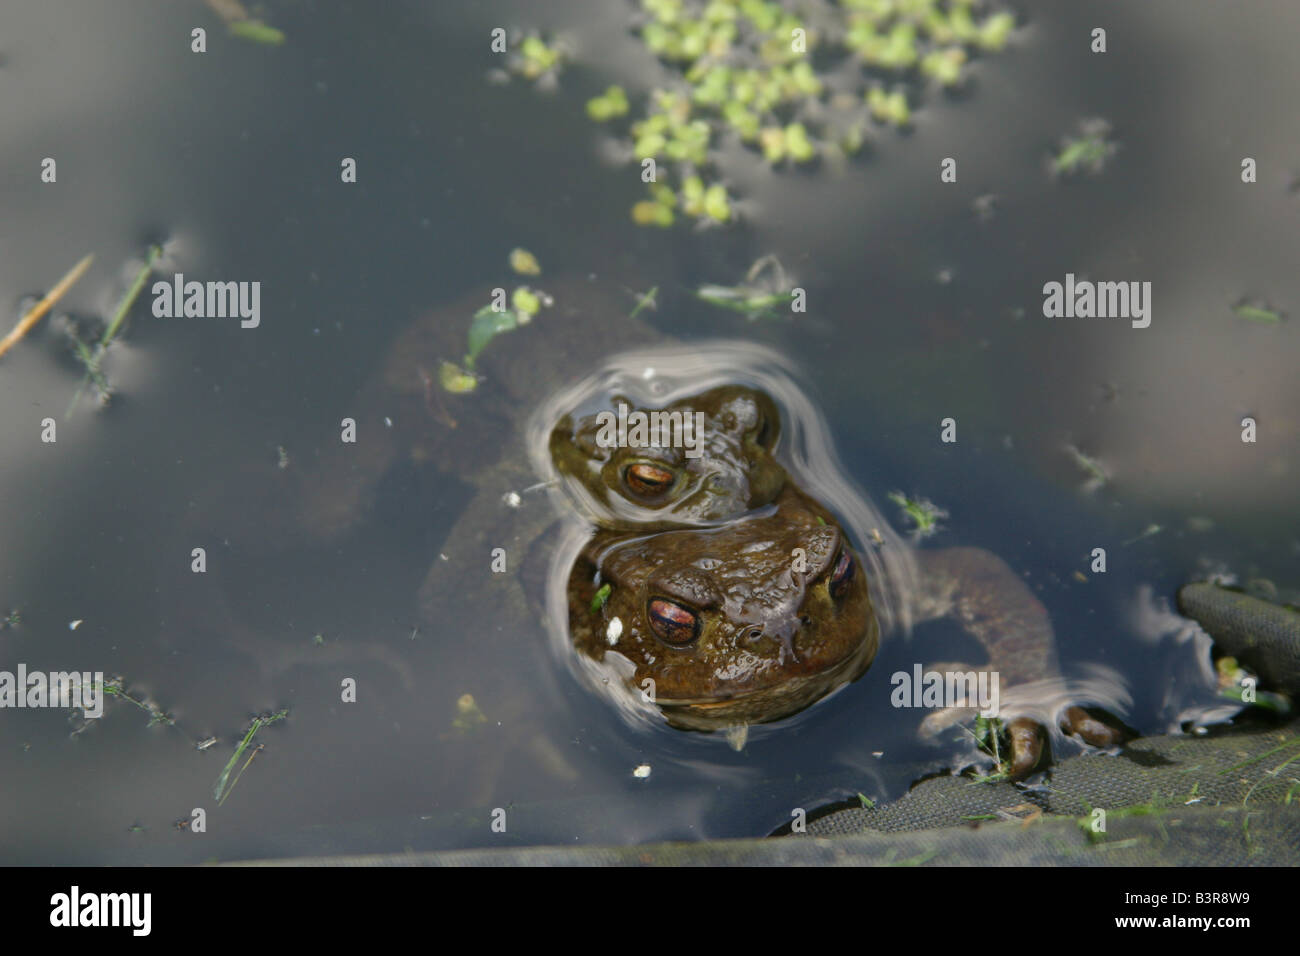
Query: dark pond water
x,y
920,309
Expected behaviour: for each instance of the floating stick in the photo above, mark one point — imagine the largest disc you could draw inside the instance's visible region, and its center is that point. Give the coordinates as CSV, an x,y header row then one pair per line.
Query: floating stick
x,y
37,311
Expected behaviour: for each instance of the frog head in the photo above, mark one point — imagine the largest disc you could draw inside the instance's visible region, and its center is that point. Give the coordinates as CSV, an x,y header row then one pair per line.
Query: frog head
x,y
747,622
711,461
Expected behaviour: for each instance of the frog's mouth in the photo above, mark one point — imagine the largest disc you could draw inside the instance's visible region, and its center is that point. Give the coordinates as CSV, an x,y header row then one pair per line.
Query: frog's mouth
x,y
774,701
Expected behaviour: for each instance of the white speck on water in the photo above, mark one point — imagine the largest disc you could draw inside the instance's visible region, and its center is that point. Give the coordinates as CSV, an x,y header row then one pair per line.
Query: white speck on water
x,y
648,374
512,499
388,422
614,632
73,625
642,771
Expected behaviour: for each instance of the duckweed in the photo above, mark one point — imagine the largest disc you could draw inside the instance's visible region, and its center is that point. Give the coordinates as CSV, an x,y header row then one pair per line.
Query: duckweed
x,y
1087,151
743,69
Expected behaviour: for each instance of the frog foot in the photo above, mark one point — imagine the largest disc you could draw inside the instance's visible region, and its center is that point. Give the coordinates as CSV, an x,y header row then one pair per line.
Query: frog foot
x,y
1026,737
1078,722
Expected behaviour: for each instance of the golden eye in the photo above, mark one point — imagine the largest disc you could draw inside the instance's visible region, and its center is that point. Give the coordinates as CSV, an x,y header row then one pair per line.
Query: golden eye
x,y
842,575
673,623
648,481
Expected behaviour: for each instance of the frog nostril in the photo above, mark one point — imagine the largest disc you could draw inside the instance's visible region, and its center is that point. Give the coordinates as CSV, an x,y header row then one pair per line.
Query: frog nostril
x,y
805,620
753,634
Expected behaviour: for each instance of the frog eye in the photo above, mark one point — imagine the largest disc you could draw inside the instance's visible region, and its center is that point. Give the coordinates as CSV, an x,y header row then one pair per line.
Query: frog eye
x,y
673,623
842,575
648,481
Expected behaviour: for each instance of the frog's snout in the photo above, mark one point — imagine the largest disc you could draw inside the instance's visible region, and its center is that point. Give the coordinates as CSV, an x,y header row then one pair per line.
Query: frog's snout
x,y
783,633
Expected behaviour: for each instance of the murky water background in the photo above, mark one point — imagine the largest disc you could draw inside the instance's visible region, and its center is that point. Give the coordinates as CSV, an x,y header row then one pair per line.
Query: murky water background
x,y
231,159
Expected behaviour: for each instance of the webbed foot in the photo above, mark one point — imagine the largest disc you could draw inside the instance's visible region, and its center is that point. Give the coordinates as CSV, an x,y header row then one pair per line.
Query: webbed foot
x,y
1026,737
1077,721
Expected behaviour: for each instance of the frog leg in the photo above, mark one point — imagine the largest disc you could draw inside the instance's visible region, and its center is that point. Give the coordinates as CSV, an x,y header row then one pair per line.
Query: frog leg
x,y
977,589
506,610
991,602
403,411
1077,721
1026,736
938,721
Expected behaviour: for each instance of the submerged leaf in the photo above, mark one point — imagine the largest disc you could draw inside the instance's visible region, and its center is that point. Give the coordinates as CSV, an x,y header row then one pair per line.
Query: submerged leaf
x,y
486,325
454,380
524,262
255,31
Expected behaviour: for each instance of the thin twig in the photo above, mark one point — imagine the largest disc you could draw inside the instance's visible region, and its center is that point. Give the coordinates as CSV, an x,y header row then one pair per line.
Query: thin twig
x,y
37,311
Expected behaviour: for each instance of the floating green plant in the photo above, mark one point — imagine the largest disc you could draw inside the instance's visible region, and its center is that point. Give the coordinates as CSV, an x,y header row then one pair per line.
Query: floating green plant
x,y
646,300
762,294
524,262
91,356
1088,151
116,687
537,59
526,303
752,303
611,105
889,108
925,514
658,209
255,31
220,791
1092,467
493,320
487,324
454,379
745,68
1256,311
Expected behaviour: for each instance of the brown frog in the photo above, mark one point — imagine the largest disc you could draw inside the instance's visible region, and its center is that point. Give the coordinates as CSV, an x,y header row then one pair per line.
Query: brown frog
x,y
754,620
744,623
698,551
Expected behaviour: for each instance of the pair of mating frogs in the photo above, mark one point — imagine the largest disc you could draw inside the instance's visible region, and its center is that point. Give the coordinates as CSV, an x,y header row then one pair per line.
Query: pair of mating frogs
x,y
715,580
